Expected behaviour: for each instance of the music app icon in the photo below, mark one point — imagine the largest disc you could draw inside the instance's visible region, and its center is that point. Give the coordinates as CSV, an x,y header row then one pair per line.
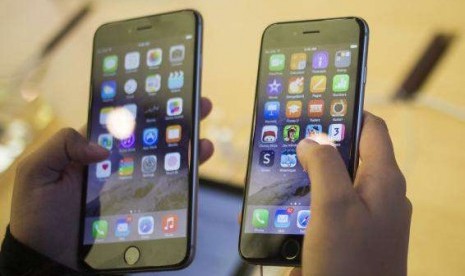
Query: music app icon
x,y
170,224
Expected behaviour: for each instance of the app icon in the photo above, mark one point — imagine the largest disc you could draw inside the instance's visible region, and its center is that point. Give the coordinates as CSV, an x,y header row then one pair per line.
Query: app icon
x,y
271,110
110,64
122,229
274,86
153,83
154,57
288,159
128,143
291,133
316,108
303,217
172,161
130,86
131,60
151,110
298,61
149,164
145,225
341,83
176,80
108,90
100,229
313,129
174,106
338,107
296,85
320,60
266,158
293,109
342,59
277,62
318,84
336,132
150,137
126,166
104,115
173,134
177,53
282,218
103,169
269,134
105,141
132,108
260,218
169,224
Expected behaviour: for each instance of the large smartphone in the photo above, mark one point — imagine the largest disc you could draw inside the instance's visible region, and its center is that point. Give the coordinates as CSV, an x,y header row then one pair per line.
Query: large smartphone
x,y
311,79
139,205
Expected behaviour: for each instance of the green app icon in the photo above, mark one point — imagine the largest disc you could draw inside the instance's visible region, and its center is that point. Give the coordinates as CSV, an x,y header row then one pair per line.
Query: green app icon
x,y
99,229
277,62
110,64
291,133
260,218
341,83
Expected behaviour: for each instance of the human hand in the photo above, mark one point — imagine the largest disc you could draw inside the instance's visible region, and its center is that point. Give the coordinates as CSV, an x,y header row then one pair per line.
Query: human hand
x,y
46,202
358,227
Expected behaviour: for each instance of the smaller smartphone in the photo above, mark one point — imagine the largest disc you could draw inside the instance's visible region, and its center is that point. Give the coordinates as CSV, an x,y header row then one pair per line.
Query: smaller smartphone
x,y
311,79
139,205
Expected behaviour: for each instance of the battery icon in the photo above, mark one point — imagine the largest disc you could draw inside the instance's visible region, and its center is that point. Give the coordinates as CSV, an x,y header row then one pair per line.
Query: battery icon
x,y
353,46
189,36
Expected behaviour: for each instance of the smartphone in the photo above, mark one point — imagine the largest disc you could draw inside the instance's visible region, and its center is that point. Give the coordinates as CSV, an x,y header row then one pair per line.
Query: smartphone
x,y
311,79
139,205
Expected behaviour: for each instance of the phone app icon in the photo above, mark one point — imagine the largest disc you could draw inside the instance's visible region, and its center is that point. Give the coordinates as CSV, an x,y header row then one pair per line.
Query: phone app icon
x,y
338,107
336,132
131,60
313,129
260,218
149,164
173,134
172,161
110,64
105,141
266,158
316,108
174,107
128,143
122,228
177,53
100,229
108,90
153,83
269,134
296,85
271,110
293,109
150,137
298,61
291,133
288,159
341,83
145,225
126,166
277,62
303,217
104,115
318,84
320,60
154,57
103,169
169,224
130,86
274,86
282,218
342,59
176,80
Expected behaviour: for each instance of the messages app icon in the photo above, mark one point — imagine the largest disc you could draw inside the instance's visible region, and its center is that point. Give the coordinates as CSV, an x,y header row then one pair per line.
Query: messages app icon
x,y
260,218
277,62
110,64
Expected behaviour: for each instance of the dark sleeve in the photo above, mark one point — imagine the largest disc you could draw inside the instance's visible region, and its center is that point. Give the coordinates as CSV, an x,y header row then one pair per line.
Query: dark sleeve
x,y
18,259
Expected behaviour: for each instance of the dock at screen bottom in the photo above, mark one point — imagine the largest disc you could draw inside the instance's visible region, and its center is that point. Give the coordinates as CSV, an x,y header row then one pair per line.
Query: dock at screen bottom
x,y
290,220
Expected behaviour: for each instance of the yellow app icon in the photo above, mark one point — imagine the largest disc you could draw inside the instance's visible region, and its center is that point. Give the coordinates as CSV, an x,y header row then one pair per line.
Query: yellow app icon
x,y
104,114
298,61
318,84
173,134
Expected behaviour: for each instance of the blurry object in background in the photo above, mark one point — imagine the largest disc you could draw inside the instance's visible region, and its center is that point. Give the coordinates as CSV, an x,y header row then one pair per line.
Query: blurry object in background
x,y
13,140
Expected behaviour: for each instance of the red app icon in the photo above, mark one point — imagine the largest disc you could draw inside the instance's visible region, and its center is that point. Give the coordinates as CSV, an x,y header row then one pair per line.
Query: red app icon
x,y
170,224
316,108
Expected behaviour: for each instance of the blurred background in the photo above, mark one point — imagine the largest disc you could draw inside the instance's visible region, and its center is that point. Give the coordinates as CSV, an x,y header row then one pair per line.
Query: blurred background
x,y
415,82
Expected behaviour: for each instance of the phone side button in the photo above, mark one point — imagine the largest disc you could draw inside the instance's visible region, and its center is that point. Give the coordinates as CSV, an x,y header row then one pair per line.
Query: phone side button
x,y
365,75
131,255
290,249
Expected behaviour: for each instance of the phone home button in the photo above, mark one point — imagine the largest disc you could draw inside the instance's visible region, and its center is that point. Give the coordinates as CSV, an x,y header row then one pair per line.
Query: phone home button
x,y
290,249
131,255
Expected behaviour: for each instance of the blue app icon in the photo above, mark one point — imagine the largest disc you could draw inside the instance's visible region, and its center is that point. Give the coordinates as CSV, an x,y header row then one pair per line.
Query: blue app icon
x,y
150,136
271,110
282,218
145,225
313,129
108,90
122,228
303,217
